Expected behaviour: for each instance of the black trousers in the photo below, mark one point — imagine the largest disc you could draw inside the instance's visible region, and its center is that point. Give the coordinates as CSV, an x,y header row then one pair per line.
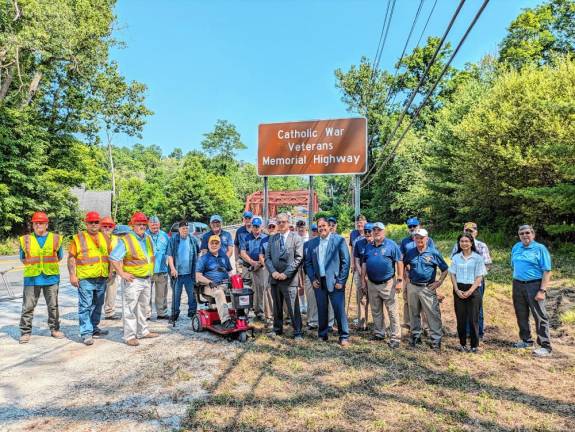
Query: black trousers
x,y
281,293
467,310
524,302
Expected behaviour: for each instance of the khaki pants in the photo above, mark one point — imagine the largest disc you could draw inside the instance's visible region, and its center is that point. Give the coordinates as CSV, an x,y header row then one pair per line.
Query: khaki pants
x,y
111,291
424,299
135,300
312,317
219,294
31,294
380,296
262,293
407,318
160,288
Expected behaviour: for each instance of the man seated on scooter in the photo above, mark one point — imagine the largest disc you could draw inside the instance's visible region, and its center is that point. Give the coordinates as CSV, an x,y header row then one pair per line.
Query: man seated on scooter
x,y
213,271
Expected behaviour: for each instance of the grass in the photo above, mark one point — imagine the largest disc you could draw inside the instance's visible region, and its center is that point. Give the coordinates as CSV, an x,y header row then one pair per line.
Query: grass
x,y
311,386
568,317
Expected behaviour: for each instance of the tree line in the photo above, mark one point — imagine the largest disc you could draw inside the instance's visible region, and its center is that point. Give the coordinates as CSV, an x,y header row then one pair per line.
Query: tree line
x,y
495,144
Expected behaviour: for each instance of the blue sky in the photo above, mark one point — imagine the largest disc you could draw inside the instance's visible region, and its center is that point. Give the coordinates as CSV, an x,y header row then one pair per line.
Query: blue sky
x,y
260,61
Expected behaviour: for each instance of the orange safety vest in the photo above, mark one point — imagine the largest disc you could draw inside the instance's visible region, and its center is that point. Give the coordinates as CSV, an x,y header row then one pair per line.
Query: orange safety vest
x,y
136,262
91,260
38,260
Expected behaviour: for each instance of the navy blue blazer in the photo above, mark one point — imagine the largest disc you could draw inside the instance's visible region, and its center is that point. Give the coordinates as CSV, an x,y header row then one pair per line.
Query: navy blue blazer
x,y
337,261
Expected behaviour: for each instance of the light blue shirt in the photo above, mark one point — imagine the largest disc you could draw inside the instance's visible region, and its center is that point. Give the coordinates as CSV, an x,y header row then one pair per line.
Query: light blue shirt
x,y
184,266
119,251
466,270
321,251
530,262
160,242
482,249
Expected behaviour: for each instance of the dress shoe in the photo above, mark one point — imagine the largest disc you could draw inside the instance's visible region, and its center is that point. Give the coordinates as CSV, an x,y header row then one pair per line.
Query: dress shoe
x,y
163,317
99,333
112,317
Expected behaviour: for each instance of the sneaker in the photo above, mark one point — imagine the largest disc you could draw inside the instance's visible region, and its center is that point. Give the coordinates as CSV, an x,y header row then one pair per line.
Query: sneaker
x,y
112,317
25,338
542,352
57,334
99,332
88,340
462,348
376,337
393,344
311,327
132,342
522,344
344,343
150,335
272,334
435,346
474,350
298,338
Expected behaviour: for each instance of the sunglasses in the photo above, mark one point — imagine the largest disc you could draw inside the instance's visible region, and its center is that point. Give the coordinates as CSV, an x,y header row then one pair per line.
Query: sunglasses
x,y
93,223
411,226
367,231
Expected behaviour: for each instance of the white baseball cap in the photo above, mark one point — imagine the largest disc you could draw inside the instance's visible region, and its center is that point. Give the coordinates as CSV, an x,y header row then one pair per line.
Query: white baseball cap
x,y
421,232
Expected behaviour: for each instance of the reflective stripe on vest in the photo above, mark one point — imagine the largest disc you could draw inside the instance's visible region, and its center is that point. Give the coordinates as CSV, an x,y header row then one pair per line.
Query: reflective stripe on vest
x,y
136,261
38,260
91,259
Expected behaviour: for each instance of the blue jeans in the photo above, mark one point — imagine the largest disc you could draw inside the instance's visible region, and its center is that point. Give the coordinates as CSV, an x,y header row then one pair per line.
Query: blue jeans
x,y
468,326
91,295
187,282
337,299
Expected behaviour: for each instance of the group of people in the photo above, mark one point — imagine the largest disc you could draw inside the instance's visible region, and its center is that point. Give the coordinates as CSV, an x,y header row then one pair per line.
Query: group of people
x,y
292,273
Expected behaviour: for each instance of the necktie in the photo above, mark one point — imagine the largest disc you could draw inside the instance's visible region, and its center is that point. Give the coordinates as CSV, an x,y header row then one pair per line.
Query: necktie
x,y
282,243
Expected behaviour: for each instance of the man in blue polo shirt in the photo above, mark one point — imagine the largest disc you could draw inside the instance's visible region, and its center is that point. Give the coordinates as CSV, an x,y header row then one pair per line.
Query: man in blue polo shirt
x,y
407,243
213,271
227,242
531,264
250,247
160,241
421,265
241,234
381,262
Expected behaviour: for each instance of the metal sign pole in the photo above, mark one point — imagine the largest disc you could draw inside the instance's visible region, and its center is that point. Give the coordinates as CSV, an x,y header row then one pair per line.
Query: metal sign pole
x,y
266,214
357,195
310,206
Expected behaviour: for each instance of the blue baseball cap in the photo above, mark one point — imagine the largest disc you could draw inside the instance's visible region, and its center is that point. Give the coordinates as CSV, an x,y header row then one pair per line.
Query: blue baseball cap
x,y
368,226
121,230
248,214
216,218
412,221
256,221
331,219
314,227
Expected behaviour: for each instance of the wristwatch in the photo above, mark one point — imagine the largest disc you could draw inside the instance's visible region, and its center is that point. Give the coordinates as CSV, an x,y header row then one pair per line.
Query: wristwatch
x,y
400,280
543,290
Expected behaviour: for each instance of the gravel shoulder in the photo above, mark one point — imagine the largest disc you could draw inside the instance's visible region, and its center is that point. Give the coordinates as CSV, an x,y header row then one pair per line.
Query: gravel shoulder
x,y
62,385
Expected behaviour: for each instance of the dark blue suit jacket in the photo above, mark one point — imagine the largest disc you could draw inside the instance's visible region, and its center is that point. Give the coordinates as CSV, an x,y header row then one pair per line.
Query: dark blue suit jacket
x,y
337,261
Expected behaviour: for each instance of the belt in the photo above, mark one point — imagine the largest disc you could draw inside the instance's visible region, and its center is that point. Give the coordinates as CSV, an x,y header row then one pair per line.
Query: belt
x,y
143,278
421,284
382,282
527,282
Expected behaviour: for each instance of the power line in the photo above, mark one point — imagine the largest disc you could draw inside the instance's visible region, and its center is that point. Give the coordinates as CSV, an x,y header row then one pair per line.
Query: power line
x,y
420,84
398,64
430,92
386,33
380,41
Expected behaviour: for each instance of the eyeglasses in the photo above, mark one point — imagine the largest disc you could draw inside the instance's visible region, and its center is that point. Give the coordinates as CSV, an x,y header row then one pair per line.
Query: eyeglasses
x,y
93,223
367,231
282,222
468,231
411,226
525,233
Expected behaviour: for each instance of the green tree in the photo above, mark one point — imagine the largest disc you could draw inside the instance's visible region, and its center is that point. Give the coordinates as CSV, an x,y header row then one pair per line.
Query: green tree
x,y
539,34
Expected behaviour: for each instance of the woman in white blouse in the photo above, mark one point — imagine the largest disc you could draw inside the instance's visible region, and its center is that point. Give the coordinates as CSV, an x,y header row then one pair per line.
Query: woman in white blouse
x,y
466,271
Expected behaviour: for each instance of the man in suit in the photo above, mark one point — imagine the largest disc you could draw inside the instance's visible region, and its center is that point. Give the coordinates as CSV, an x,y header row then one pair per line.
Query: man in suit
x,y
283,256
327,266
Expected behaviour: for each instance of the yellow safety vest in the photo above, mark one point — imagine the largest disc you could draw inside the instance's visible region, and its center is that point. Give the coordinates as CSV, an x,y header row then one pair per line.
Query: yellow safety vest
x,y
91,260
38,260
136,262
115,239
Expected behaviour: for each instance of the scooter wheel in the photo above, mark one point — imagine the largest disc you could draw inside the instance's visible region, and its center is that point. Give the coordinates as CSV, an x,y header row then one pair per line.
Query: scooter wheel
x,y
197,324
243,337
